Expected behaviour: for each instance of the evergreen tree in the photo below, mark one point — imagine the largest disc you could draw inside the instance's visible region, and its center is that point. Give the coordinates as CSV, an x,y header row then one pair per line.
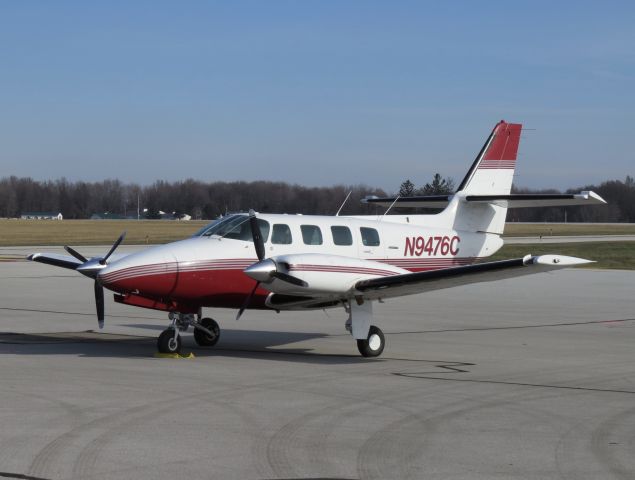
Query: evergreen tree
x,y
439,186
407,189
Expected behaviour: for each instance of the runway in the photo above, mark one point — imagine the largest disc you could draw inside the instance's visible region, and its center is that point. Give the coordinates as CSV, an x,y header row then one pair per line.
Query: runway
x,y
569,239
531,378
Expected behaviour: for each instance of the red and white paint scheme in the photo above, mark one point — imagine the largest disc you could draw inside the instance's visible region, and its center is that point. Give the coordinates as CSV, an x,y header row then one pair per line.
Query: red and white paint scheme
x,y
301,262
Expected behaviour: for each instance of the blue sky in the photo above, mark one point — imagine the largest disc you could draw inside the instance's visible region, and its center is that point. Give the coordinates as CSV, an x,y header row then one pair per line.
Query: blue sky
x,y
314,92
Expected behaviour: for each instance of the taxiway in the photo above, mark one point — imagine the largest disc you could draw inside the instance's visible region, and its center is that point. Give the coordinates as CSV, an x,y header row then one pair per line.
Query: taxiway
x,y
528,378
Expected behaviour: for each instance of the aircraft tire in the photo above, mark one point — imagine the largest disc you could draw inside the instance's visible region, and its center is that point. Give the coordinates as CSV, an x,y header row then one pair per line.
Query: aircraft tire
x,y
203,339
166,343
373,346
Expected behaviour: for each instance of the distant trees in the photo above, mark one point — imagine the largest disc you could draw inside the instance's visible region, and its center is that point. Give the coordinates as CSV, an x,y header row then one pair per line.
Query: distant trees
x,y
438,186
210,199
199,199
407,189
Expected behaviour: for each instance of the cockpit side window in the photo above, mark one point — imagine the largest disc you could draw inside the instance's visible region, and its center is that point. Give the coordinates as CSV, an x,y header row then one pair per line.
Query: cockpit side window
x,y
235,227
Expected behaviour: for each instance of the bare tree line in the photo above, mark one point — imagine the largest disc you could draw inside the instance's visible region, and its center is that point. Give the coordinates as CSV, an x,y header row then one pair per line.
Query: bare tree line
x,y
620,196
77,200
207,200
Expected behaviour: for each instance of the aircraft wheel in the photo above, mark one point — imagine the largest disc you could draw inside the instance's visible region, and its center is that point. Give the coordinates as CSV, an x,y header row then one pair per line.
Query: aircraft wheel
x,y
203,339
166,343
374,344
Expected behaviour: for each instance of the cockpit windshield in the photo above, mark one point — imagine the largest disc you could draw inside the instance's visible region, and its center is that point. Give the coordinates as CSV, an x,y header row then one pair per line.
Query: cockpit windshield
x,y
235,227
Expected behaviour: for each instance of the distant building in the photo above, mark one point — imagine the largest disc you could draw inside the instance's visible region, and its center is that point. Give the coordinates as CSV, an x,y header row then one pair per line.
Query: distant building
x,y
41,216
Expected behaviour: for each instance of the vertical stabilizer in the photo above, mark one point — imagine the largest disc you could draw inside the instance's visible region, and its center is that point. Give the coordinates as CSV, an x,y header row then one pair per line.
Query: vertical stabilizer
x,y
491,173
493,170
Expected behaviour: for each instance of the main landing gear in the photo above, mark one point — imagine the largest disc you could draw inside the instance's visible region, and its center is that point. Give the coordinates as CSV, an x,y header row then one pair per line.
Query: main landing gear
x,y
373,346
206,332
370,339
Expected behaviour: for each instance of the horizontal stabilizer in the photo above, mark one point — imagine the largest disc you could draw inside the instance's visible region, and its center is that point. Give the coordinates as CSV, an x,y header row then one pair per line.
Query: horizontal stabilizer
x,y
420,282
539,200
517,200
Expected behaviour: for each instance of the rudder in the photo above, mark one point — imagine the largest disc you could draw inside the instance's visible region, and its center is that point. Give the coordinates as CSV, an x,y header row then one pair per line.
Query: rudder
x,y
493,169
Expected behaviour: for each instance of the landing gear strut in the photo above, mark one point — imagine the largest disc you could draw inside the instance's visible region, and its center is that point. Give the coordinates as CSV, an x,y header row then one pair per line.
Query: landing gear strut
x,y
206,332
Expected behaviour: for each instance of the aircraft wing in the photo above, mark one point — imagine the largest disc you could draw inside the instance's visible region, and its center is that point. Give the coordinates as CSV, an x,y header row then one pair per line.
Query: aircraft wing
x,y
64,261
420,282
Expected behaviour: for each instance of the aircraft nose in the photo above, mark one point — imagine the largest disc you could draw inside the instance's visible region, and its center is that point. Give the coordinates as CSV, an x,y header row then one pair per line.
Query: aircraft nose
x,y
153,272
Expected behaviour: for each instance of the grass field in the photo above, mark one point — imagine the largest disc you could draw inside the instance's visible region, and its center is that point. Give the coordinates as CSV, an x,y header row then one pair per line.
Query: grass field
x,y
103,232
93,232
619,255
568,229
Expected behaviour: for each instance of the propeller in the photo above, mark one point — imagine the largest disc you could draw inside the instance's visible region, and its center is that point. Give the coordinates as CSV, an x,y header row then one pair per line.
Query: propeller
x,y
75,254
99,303
113,248
91,268
257,235
265,270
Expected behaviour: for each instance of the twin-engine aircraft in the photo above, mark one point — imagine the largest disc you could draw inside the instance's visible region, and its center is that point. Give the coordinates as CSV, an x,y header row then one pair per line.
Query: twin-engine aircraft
x,y
302,262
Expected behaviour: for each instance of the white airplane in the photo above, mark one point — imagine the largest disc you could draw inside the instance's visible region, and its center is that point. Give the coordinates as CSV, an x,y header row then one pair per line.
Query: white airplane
x,y
306,262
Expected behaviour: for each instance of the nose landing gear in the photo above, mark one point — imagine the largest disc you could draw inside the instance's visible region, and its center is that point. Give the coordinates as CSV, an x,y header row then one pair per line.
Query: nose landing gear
x,y
206,332
169,341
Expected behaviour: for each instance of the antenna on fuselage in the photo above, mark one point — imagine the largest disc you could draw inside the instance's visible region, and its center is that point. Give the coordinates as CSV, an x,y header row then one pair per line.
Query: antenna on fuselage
x,y
343,203
391,205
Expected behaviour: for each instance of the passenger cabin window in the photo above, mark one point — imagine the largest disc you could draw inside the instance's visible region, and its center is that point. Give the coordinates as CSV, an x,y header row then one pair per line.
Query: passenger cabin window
x,y
281,234
370,237
342,236
311,234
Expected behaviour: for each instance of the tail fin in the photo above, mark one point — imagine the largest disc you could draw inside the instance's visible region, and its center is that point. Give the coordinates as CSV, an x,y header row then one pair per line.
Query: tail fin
x,y
492,172
480,203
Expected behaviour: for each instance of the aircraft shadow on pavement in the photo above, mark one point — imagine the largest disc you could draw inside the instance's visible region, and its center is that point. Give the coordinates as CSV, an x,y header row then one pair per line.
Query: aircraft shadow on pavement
x,y
259,345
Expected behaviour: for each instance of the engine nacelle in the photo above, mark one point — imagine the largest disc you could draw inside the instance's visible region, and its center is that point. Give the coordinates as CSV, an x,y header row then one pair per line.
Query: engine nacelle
x,y
322,274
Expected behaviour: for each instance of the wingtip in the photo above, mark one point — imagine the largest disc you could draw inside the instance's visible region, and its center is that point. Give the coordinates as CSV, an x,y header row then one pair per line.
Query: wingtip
x,y
560,260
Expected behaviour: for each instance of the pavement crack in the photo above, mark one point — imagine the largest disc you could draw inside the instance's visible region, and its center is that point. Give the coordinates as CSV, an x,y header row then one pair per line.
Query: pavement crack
x,y
518,384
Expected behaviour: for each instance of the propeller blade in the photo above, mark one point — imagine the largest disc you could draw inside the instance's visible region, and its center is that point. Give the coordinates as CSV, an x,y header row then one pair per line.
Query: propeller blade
x,y
257,235
247,301
99,302
285,277
112,249
75,254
